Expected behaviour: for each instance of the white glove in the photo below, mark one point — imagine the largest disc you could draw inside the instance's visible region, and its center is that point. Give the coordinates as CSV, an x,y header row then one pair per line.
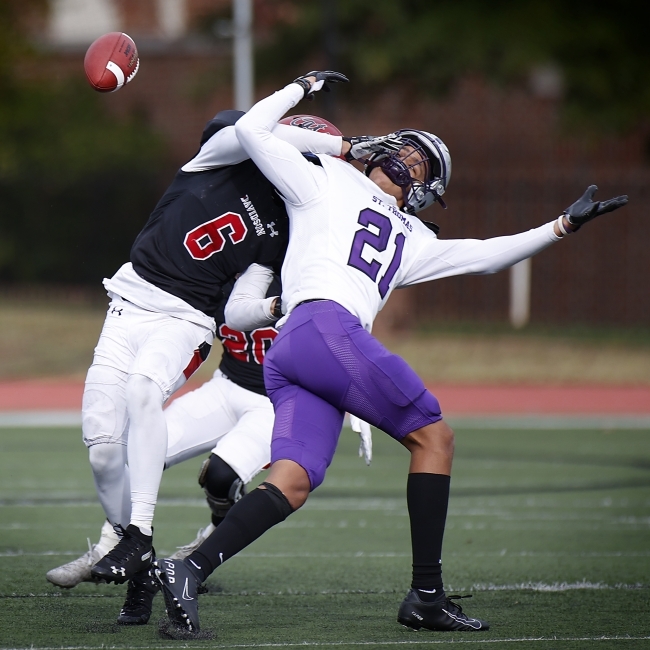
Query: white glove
x,y
365,437
366,145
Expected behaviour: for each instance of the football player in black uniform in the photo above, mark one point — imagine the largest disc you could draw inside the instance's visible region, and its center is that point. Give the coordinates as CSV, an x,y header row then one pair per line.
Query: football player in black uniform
x,y
230,416
217,217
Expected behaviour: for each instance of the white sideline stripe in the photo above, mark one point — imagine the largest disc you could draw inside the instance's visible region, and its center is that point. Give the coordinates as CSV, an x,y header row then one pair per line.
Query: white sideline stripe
x,y
557,587
70,418
500,519
334,644
541,421
40,419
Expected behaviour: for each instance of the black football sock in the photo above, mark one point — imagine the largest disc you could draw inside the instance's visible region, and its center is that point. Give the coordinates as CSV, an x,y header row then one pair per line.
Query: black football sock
x,y
427,497
247,520
216,520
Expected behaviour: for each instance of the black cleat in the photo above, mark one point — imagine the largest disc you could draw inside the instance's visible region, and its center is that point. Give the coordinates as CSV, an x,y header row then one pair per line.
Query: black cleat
x,y
140,593
441,615
181,589
132,554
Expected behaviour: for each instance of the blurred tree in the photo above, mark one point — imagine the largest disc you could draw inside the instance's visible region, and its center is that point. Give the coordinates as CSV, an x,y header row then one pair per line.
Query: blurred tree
x,y
76,185
594,54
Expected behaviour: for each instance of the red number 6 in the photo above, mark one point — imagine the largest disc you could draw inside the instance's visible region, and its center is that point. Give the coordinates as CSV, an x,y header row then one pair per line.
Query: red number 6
x,y
207,239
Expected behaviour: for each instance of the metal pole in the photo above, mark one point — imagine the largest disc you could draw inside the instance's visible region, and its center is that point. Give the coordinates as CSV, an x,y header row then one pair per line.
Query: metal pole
x,y
243,53
329,14
520,293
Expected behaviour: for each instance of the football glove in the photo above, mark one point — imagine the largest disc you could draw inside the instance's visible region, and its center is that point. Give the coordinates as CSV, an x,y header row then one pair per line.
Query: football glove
x,y
365,145
323,77
584,209
365,437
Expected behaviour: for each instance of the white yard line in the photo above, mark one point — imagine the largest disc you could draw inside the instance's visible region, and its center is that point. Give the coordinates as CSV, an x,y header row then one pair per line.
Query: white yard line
x,y
379,554
72,418
334,644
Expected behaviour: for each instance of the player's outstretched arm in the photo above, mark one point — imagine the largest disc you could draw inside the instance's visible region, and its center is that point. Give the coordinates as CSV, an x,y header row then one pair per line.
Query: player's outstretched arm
x,y
295,178
444,258
224,148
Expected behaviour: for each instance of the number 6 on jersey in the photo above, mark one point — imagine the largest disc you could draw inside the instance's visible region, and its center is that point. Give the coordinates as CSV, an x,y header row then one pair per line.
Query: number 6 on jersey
x,y
207,239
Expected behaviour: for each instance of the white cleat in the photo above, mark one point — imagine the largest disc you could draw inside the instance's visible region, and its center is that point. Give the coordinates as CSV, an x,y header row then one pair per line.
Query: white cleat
x,y
201,536
71,574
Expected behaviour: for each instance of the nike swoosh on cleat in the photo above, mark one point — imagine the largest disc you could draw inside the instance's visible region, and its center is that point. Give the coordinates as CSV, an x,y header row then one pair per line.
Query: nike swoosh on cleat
x,y
146,556
186,594
464,620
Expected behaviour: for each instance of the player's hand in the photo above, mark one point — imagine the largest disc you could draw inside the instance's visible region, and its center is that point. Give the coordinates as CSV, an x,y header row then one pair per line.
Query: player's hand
x,y
366,145
365,437
584,209
317,79
276,308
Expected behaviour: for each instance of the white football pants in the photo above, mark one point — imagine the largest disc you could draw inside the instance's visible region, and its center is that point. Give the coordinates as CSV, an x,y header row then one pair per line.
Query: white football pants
x,y
139,361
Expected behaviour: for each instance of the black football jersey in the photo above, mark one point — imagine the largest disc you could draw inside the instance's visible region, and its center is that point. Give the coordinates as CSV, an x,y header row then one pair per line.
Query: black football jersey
x,y
244,352
208,227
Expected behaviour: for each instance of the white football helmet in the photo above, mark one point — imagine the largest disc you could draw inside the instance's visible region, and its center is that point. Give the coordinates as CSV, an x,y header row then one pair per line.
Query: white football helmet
x,y
418,195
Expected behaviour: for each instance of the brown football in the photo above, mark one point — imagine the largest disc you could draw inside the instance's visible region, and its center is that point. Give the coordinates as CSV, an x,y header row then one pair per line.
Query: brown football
x,y
311,122
111,61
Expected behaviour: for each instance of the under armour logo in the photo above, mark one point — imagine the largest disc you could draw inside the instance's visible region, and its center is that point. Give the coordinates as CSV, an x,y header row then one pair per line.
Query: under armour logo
x,y
121,571
117,311
273,232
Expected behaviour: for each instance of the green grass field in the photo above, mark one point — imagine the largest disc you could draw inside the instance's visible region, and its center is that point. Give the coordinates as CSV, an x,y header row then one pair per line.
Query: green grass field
x,y
549,530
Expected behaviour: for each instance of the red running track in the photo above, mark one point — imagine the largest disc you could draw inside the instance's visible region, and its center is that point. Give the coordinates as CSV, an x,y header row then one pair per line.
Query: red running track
x,y
63,394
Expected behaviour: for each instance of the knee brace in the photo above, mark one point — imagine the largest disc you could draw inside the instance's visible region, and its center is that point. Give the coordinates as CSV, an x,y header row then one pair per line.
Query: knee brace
x,y
221,484
104,417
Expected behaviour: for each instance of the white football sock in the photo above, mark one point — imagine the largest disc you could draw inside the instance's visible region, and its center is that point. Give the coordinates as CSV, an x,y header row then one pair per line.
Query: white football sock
x,y
146,449
108,538
111,480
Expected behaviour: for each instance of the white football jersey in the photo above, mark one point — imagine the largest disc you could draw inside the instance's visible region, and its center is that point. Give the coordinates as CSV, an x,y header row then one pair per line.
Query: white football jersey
x,y
348,240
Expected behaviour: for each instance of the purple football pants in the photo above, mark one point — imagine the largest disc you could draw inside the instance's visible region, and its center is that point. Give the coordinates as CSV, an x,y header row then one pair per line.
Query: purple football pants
x,y
322,364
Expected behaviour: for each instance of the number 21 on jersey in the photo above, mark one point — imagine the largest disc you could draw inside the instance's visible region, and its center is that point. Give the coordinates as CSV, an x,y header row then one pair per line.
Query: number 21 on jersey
x,y
378,242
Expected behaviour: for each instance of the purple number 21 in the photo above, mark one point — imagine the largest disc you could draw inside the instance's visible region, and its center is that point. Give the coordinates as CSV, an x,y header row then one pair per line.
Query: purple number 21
x,y
379,242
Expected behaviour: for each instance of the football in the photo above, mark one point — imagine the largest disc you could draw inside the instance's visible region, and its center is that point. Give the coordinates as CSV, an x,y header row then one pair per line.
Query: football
x,y
111,61
311,122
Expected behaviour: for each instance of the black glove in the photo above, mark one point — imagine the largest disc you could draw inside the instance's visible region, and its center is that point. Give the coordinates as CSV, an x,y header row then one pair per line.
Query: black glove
x,y
365,145
323,77
584,209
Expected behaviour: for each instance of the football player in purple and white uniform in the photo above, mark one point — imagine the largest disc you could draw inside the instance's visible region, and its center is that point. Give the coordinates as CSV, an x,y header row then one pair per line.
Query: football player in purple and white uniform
x,y
219,215
354,238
